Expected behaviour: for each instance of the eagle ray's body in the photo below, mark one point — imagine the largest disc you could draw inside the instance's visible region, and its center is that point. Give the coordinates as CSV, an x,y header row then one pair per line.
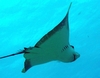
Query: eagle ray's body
x,y
51,47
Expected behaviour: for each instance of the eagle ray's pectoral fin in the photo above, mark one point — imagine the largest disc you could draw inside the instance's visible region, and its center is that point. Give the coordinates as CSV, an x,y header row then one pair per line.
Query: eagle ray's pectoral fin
x,y
27,65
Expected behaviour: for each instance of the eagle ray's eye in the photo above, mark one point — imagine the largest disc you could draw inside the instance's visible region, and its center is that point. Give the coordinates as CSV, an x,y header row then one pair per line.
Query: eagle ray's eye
x,y
72,46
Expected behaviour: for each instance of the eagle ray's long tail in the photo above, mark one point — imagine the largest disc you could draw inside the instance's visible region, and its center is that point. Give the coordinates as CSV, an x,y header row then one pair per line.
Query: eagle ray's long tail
x,y
13,54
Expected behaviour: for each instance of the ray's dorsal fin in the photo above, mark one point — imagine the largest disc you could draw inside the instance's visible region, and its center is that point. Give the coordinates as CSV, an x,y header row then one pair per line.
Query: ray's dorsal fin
x,y
57,28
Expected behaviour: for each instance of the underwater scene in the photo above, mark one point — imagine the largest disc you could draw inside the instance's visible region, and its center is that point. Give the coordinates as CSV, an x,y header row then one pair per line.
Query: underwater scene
x,y
49,39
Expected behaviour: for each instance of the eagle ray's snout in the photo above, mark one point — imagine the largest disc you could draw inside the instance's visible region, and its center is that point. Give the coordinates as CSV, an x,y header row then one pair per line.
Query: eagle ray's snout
x,y
76,56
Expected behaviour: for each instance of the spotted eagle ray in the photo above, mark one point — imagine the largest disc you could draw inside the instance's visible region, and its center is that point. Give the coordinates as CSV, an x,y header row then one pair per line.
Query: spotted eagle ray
x,y
54,46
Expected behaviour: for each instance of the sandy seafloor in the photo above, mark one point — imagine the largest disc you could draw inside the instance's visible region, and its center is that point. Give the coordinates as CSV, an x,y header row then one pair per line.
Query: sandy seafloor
x,y
24,22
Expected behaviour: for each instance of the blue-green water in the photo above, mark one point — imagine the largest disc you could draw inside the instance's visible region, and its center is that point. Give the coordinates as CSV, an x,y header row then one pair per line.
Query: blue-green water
x,y
24,22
